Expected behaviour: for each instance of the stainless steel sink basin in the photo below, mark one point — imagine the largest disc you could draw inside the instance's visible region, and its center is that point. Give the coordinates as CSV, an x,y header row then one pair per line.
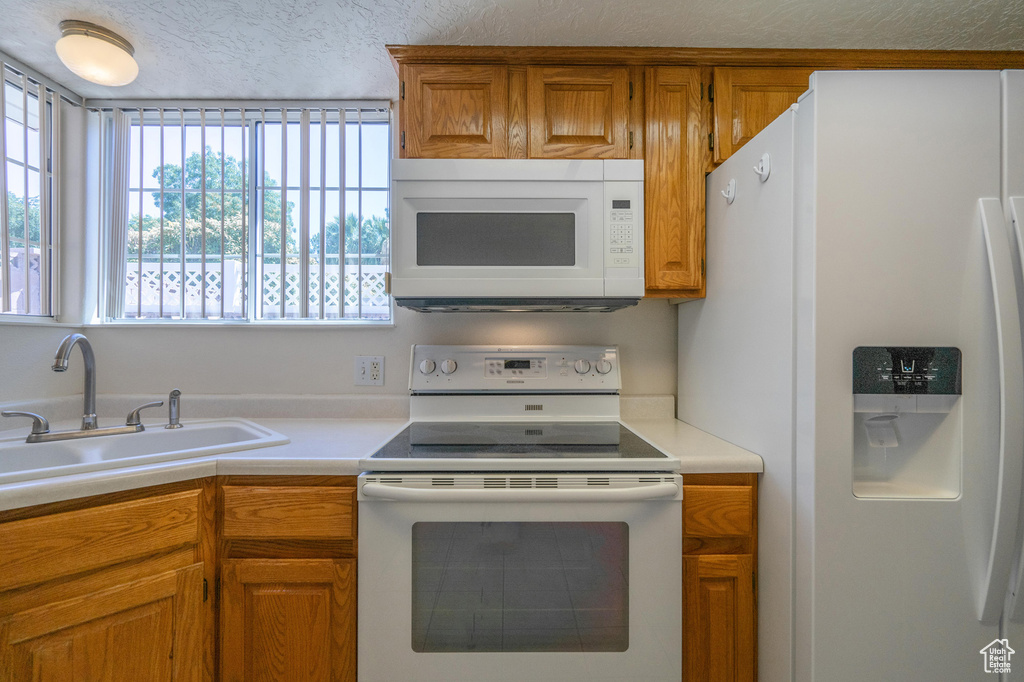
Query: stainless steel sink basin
x,y
20,461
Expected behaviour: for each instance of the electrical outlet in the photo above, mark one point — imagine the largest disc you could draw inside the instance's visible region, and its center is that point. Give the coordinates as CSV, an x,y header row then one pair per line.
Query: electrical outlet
x,y
369,370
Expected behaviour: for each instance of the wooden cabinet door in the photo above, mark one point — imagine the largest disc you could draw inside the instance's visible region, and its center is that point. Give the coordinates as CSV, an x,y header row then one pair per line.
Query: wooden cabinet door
x,y
457,112
748,99
288,620
676,159
578,112
147,629
718,623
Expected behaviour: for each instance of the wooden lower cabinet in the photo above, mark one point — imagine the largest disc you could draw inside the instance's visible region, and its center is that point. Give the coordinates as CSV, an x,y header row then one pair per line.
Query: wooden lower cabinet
x,y
124,587
718,600
288,620
115,587
146,629
719,578
109,588
287,579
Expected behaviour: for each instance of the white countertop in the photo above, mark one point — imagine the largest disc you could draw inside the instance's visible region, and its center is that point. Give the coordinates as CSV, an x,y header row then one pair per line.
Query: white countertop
x,y
327,446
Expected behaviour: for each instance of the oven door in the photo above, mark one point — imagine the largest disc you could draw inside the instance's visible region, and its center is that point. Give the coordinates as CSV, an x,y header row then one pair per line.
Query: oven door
x,y
532,577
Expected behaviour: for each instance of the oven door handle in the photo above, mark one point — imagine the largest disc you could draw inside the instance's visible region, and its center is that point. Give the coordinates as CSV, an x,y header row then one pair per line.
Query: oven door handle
x,y
657,491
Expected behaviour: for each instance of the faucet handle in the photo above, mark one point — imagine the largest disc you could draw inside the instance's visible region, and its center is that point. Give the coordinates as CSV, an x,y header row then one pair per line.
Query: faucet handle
x,y
39,423
135,418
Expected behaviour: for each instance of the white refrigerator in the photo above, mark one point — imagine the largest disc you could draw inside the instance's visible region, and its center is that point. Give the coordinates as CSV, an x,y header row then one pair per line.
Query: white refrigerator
x,y
862,333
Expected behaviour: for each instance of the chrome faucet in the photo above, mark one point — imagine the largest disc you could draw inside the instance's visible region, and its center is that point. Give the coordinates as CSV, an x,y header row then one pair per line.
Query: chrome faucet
x,y
133,424
173,408
60,364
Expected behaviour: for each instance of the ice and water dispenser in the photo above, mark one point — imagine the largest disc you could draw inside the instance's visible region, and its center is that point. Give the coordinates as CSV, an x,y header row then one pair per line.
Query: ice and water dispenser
x,y
906,422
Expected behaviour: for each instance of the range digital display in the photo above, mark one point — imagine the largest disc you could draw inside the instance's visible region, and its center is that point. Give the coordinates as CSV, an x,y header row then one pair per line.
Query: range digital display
x,y
517,364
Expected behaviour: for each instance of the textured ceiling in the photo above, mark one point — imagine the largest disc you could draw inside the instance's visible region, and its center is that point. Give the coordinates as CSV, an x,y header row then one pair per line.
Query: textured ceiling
x,y
273,49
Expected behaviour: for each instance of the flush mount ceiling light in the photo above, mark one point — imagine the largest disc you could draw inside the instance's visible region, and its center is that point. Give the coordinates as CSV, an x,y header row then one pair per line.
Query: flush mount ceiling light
x,y
96,54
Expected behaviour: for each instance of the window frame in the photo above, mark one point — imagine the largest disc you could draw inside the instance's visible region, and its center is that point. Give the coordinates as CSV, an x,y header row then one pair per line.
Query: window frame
x,y
39,93
250,114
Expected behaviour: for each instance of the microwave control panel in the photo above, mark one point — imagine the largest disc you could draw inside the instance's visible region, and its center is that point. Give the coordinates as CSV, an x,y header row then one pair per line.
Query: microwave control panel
x,y
624,229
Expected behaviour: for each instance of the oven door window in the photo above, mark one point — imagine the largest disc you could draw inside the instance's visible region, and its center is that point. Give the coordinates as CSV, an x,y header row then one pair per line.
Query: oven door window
x,y
520,587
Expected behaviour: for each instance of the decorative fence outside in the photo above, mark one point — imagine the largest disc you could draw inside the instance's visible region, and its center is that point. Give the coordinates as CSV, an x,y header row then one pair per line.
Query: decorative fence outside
x,y
367,284
15,271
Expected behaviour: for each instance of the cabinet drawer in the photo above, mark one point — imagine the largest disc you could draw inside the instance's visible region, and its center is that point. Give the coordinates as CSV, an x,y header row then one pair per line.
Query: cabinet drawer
x,y
718,510
288,512
40,549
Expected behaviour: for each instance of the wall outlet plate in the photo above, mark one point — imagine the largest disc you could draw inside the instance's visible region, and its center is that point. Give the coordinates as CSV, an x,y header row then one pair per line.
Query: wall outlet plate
x,y
369,370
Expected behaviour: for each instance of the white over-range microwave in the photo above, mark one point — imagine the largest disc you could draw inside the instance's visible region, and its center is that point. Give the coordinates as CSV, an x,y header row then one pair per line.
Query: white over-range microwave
x,y
517,234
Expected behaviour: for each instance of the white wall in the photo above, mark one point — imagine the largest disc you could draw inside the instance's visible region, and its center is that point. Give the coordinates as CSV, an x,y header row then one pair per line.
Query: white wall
x,y
26,354
264,360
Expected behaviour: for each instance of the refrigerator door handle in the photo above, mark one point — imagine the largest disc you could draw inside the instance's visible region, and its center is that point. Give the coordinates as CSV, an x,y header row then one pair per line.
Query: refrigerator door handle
x,y
1011,406
1015,604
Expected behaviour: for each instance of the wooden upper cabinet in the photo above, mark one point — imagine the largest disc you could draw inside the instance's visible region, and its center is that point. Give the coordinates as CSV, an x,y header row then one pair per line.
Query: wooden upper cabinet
x,y
676,156
748,99
578,112
457,112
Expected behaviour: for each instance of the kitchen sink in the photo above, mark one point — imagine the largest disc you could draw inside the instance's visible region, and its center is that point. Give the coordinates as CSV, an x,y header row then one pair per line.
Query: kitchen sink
x,y
20,461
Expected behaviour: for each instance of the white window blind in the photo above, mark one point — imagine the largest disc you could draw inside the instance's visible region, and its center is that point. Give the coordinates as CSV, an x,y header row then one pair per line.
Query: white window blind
x,y
28,196
250,212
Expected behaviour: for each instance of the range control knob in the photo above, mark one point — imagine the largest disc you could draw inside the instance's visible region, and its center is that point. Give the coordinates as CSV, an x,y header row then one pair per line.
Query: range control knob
x,y
582,366
427,367
448,366
603,366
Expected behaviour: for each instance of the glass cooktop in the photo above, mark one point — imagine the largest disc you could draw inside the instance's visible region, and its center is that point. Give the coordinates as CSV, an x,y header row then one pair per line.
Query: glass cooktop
x,y
517,440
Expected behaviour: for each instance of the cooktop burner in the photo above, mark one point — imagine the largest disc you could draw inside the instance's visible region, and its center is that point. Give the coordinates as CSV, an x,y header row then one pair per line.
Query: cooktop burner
x,y
551,441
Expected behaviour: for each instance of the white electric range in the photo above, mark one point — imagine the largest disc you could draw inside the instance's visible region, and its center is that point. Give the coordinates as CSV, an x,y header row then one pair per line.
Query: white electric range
x,y
516,530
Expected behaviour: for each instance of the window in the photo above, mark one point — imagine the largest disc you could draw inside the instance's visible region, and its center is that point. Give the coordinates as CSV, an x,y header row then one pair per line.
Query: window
x,y
237,213
27,144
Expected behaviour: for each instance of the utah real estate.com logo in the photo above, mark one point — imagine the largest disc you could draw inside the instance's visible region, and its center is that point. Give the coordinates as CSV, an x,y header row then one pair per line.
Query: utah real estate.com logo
x,y
997,656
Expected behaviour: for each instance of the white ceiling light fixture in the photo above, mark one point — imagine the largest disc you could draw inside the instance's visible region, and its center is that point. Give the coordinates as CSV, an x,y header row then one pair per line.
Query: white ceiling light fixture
x,y
96,54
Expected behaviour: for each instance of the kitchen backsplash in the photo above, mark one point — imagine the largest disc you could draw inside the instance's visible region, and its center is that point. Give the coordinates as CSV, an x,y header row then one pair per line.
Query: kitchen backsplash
x,y
319,361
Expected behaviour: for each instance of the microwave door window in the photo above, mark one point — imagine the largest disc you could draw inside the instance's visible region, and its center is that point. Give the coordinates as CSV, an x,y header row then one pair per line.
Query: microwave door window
x,y
496,239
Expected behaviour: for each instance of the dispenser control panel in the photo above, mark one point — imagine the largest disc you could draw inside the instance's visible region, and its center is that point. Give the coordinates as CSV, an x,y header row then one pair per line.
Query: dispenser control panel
x,y
911,370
